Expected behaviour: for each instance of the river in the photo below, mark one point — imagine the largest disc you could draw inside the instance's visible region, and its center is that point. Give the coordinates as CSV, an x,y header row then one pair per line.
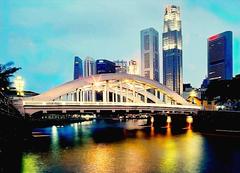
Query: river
x,y
128,147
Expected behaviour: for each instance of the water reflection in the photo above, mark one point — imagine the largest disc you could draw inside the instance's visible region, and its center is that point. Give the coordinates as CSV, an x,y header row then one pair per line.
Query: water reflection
x,y
31,163
55,144
131,146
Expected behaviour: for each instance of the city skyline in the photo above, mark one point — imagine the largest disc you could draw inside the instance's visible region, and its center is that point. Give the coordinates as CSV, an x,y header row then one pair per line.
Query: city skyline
x,y
32,40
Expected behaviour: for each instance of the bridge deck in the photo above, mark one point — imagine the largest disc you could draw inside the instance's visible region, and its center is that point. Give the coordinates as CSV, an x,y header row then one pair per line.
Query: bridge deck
x,y
32,107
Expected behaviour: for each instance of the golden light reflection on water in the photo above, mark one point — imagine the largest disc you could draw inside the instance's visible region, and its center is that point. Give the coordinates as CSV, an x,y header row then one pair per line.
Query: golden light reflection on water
x,y
162,152
132,152
152,133
140,134
170,153
183,151
192,145
102,158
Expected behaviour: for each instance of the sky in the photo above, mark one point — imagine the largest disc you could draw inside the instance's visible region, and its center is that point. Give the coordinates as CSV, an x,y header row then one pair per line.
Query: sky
x,y
42,37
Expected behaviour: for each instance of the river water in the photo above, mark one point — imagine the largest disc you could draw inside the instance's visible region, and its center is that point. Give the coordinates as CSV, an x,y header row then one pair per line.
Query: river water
x,y
128,147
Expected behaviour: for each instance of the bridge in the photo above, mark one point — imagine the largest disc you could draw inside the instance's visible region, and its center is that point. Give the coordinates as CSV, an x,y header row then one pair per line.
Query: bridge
x,y
111,92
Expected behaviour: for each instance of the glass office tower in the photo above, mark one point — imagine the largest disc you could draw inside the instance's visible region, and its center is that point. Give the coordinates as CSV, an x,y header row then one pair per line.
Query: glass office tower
x,y
172,49
78,68
220,60
105,66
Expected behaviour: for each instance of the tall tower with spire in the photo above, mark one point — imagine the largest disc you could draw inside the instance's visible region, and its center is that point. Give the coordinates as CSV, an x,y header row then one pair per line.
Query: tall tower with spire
x,y
172,49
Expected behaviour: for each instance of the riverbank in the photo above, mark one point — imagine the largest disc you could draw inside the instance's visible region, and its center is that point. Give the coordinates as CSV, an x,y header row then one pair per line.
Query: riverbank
x,y
222,121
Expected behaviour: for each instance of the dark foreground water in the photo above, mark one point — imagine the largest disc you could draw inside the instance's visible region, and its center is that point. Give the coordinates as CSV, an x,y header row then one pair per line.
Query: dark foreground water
x,y
120,147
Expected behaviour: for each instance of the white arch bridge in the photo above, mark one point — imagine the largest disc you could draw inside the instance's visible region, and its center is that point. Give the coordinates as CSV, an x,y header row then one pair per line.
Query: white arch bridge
x,y
108,92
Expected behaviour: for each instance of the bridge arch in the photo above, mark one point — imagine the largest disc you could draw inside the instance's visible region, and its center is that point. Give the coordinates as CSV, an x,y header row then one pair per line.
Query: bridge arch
x,y
111,88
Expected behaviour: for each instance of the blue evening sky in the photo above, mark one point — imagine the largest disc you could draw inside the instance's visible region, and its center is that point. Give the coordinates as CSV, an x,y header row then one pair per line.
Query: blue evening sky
x,y
43,36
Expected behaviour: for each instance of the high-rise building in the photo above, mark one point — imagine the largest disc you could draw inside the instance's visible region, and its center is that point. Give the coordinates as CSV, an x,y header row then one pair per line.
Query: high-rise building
x,y
150,54
105,66
78,68
220,65
121,66
172,49
133,67
89,67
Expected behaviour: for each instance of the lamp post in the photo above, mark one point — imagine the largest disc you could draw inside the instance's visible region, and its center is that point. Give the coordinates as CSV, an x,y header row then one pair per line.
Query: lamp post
x,y
193,94
19,84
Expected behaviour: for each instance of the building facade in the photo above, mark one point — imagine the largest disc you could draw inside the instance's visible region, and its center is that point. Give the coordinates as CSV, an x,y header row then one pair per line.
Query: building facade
x,y
172,49
220,60
89,67
105,66
121,66
133,67
78,68
150,54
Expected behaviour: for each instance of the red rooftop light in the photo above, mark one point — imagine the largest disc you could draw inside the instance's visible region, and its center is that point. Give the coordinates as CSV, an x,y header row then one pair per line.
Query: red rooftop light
x,y
213,37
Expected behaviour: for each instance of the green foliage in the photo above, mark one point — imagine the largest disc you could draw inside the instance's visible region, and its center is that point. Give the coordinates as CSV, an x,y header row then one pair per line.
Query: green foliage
x,y
6,71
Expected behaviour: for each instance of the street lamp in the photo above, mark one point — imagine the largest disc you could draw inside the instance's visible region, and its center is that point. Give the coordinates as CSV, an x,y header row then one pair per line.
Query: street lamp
x,y
19,84
193,94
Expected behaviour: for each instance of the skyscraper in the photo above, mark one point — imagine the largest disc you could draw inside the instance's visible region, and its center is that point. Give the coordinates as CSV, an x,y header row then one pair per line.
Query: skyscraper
x,y
220,65
105,66
150,54
172,49
78,68
89,67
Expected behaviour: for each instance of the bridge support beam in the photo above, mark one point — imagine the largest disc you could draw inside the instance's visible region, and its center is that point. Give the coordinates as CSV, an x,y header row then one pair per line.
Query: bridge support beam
x,y
93,94
121,92
178,121
77,93
160,120
105,94
134,96
145,94
107,91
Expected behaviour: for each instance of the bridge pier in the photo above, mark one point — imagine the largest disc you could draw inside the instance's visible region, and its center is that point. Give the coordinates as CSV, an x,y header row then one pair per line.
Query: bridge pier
x,y
175,121
178,121
160,120
149,122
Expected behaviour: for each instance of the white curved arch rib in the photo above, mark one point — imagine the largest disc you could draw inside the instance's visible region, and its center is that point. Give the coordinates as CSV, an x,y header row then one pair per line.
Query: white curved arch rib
x,y
126,79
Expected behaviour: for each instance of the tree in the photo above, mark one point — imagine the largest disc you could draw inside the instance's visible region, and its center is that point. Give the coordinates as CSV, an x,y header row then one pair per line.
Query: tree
x,y
223,90
6,71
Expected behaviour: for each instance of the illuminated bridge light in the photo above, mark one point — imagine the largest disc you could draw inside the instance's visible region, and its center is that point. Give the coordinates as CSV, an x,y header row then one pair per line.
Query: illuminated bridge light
x,y
169,120
189,121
